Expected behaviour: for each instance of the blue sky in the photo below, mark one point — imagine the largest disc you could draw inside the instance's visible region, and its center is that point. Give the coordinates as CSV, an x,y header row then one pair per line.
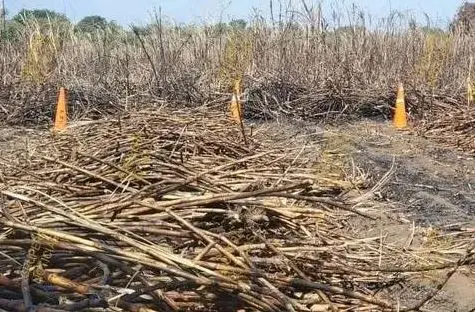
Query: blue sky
x,y
182,11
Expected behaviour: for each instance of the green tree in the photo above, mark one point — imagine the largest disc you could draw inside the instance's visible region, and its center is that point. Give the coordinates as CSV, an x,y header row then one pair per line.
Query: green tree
x,y
40,15
238,24
114,28
47,22
91,24
12,30
142,30
219,28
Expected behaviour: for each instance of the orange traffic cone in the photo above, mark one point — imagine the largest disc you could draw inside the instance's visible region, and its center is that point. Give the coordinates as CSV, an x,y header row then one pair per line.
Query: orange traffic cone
x,y
235,109
470,96
237,87
61,114
400,116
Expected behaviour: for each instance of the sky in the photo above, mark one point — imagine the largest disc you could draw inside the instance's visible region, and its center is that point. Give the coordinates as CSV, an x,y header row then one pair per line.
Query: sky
x,y
127,12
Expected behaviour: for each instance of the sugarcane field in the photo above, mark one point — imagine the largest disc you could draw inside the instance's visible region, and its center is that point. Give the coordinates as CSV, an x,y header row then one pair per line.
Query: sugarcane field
x,y
304,157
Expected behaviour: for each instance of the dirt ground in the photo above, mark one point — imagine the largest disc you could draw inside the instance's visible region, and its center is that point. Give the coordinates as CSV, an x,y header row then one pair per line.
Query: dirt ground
x,y
433,185
431,188
430,194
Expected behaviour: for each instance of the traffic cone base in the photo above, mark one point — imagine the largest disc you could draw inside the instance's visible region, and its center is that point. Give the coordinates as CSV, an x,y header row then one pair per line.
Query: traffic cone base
x,y
61,113
400,116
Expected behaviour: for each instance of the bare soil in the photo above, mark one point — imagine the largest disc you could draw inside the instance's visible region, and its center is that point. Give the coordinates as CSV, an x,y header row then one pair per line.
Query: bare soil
x,y
431,191
431,194
433,185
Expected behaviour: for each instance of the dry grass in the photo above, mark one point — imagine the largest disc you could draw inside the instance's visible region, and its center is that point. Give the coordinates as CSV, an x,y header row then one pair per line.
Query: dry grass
x,y
165,211
190,61
298,66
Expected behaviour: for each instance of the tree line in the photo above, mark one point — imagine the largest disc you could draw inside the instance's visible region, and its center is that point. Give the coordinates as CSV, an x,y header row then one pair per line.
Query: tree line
x,y
92,24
